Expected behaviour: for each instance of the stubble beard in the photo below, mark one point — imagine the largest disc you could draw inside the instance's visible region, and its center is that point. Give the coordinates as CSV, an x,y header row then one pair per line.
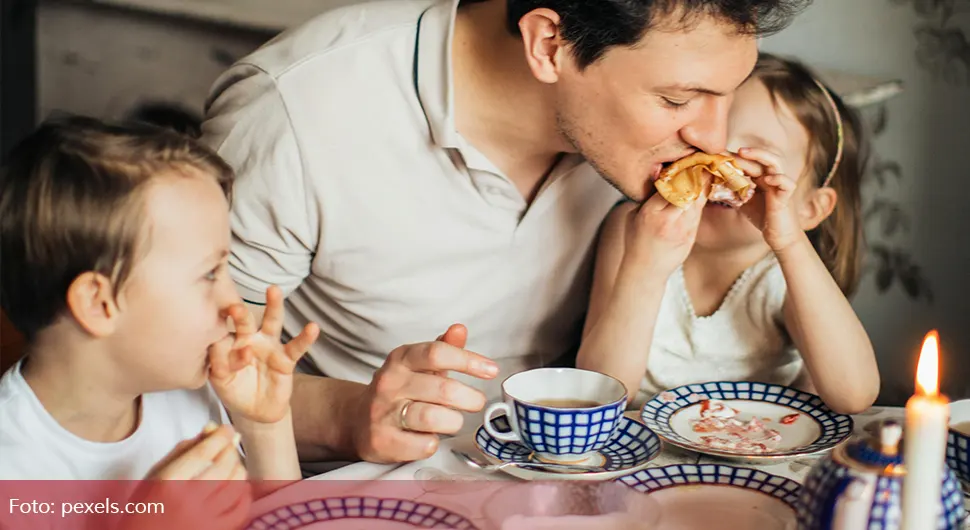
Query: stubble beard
x,y
568,132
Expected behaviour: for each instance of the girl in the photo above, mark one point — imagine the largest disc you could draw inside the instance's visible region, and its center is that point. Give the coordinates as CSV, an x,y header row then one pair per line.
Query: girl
x,y
757,293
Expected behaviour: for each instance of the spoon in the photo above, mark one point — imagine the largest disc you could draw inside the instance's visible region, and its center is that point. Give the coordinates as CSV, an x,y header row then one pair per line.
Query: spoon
x,y
533,466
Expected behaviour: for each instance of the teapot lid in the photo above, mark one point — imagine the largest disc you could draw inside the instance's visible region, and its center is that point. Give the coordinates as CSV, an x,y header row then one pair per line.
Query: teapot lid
x,y
881,453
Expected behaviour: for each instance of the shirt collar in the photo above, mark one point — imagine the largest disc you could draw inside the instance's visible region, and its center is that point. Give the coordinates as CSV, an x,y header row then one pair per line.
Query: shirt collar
x,y
433,73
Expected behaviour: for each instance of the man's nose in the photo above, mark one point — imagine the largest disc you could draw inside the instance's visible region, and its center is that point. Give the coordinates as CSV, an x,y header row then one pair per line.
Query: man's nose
x,y
708,131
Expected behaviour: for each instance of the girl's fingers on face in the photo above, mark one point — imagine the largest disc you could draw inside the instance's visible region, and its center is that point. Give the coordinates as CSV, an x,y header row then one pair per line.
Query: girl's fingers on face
x,y
750,167
771,161
781,182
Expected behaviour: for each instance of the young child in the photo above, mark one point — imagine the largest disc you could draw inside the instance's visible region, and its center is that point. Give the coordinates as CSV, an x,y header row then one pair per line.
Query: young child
x,y
114,242
759,293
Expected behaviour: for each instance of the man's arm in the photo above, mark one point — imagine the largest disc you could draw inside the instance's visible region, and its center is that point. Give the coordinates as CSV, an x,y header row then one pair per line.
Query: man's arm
x,y
324,416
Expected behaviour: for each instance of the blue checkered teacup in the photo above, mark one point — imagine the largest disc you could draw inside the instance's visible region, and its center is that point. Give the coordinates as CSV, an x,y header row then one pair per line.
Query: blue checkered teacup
x,y
561,414
958,441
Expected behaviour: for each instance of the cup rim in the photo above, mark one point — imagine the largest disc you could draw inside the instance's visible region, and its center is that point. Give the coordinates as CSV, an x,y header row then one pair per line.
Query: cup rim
x,y
963,404
622,398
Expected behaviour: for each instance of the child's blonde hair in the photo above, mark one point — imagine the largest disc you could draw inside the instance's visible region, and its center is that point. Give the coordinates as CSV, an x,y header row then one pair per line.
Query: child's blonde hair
x,y
837,157
72,201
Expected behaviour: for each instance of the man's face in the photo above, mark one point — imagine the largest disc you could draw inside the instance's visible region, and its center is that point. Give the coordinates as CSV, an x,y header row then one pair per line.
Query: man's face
x,y
640,107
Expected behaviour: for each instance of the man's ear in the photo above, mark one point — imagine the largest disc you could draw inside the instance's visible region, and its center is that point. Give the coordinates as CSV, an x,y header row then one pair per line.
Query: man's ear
x,y
819,204
544,48
91,301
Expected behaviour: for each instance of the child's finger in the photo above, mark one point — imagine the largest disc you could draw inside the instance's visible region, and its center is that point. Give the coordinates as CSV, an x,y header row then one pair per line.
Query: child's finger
x,y
273,317
780,182
232,499
297,347
242,358
200,456
692,215
219,358
771,161
223,465
749,167
242,319
280,362
656,203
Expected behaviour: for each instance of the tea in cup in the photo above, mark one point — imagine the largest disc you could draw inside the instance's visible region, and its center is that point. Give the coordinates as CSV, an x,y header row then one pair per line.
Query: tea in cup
x,y
562,414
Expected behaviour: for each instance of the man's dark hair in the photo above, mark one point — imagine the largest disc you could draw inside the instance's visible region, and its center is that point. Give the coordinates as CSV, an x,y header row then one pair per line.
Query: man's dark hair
x,y
594,26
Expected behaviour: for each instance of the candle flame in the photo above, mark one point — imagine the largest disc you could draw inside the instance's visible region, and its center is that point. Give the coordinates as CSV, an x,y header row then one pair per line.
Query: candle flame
x,y
928,368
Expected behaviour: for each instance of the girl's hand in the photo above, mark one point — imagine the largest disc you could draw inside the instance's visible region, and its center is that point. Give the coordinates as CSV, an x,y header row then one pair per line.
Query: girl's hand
x,y
251,370
659,235
772,210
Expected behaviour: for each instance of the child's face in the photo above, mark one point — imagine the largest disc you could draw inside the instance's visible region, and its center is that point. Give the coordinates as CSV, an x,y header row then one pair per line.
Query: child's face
x,y
756,120
170,307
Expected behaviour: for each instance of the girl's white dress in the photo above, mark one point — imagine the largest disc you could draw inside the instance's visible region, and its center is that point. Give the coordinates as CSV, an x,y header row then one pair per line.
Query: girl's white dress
x,y
744,340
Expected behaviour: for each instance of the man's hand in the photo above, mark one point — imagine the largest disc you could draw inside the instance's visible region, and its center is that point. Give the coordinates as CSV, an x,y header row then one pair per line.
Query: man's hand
x,y
251,370
411,400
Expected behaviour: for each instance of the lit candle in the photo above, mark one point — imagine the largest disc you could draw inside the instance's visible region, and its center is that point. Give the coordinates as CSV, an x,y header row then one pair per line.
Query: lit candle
x,y
927,415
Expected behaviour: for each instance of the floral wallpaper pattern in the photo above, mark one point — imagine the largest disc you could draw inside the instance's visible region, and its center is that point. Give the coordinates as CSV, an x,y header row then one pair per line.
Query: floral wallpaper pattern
x,y
941,36
943,49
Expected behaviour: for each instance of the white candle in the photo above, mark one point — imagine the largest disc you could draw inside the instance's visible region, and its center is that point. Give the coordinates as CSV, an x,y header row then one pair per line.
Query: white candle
x,y
927,416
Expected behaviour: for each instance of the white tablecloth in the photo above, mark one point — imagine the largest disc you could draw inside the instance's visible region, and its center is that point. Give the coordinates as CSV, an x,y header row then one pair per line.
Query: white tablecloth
x,y
445,464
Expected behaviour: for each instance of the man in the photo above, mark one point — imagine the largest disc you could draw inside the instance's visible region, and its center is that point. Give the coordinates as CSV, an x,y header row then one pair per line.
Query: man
x,y
408,164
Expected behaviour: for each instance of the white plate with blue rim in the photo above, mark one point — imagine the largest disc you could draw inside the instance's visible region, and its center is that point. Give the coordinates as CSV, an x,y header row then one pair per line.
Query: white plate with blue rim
x,y
710,495
745,421
631,447
352,513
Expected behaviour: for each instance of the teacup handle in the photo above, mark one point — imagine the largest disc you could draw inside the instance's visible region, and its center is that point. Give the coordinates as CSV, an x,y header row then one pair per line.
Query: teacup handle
x,y
510,436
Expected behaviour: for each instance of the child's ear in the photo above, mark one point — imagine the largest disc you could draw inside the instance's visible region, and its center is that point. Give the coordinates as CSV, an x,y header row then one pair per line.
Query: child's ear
x,y
90,299
819,204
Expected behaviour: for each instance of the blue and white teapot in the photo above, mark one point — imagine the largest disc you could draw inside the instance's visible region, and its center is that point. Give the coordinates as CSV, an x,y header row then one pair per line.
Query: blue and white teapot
x,y
858,485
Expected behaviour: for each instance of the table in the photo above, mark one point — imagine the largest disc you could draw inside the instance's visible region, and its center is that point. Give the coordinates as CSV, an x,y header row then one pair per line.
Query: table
x,y
432,481
444,464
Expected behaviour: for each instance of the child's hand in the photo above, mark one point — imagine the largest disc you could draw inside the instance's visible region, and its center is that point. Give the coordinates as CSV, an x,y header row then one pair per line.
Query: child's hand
x,y
212,455
772,210
218,496
659,236
251,370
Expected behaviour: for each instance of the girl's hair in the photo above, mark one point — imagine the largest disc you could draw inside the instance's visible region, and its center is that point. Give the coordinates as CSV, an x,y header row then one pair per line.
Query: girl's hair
x,y
839,239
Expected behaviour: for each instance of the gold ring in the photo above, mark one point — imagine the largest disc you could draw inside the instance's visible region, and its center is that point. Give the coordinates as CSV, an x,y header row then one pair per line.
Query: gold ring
x,y
404,413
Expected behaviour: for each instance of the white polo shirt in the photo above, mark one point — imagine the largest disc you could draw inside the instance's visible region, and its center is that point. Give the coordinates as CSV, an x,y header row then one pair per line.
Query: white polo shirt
x,y
358,197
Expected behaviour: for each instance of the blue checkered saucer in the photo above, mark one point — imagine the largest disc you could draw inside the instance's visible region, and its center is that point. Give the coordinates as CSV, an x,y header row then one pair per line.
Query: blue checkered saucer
x,y
655,479
632,446
815,429
321,513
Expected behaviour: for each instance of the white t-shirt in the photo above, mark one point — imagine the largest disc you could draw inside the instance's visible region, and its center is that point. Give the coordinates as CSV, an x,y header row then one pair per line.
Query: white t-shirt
x,y
33,446
744,340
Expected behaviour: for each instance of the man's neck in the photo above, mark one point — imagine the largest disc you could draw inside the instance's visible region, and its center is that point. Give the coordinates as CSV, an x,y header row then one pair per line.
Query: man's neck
x,y
500,108
68,376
